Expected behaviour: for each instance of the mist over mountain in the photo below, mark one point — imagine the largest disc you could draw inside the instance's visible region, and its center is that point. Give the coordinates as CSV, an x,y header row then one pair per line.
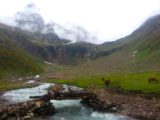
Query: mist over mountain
x,y
48,46
30,19
49,41
75,33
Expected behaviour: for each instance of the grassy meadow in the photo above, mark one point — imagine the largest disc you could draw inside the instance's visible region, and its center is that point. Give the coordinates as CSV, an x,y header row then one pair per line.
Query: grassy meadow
x,y
125,81
9,85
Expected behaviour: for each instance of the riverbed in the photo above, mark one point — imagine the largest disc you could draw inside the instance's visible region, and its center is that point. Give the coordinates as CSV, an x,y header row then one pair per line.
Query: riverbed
x,y
65,109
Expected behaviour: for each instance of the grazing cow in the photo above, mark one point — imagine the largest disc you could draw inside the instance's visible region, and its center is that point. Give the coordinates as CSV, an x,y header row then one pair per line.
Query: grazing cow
x,y
152,80
106,82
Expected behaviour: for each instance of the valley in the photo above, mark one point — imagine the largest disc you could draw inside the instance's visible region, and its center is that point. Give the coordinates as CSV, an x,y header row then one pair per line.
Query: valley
x,y
28,59
26,54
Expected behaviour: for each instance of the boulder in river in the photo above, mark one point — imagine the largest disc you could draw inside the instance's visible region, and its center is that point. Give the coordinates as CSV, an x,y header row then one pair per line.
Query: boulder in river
x,y
95,103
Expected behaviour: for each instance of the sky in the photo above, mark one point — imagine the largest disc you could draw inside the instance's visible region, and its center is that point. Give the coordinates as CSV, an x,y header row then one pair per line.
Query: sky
x,y
108,20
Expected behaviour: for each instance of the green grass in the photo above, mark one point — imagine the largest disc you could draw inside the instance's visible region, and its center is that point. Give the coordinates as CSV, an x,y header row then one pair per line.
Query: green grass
x,y
125,81
6,85
142,54
17,62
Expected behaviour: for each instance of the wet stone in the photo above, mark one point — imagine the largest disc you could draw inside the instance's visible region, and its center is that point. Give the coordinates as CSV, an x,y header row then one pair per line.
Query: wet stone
x,y
27,110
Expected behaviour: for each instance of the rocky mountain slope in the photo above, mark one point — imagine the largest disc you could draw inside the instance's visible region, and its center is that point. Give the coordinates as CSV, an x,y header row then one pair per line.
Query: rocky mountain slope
x,y
24,51
136,52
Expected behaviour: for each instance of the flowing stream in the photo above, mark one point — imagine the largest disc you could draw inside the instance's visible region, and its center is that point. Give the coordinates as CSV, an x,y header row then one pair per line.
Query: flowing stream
x,y
65,109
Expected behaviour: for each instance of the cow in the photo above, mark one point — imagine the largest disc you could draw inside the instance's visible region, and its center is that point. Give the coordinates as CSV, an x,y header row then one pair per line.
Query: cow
x,y
152,80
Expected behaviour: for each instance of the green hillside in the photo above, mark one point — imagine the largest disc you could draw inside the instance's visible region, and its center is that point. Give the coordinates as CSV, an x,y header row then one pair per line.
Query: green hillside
x,y
137,53
128,62
15,60
22,51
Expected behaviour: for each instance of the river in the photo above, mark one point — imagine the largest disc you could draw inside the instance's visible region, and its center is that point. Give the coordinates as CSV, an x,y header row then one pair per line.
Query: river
x,y
65,109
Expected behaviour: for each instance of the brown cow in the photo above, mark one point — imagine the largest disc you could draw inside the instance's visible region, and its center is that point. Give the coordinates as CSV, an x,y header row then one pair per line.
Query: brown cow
x,y
106,82
152,80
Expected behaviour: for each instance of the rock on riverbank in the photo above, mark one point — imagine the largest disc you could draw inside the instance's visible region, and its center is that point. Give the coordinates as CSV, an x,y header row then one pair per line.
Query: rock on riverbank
x,y
27,110
96,104
126,104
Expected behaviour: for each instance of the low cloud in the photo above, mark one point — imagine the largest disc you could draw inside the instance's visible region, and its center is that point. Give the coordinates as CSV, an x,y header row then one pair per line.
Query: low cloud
x,y
75,33
31,19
